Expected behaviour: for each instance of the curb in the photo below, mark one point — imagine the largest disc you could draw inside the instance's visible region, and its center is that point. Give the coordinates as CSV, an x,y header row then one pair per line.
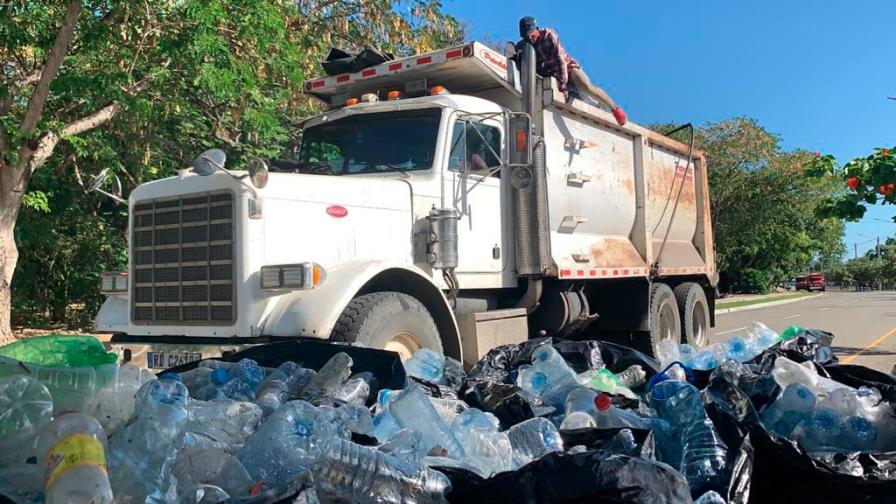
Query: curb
x,y
721,311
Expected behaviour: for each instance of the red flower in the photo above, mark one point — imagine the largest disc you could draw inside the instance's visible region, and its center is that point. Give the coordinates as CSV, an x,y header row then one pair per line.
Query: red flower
x,y
852,182
817,154
886,189
885,151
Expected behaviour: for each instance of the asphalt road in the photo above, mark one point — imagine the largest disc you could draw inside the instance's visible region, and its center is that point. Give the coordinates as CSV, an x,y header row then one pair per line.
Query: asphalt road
x,y
864,324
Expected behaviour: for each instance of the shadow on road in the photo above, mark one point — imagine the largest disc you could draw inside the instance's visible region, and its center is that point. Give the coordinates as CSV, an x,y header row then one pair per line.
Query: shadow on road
x,y
844,351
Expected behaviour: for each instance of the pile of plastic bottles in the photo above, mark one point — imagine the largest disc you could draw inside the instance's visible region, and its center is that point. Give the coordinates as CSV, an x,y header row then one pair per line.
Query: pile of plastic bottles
x,y
241,432
825,415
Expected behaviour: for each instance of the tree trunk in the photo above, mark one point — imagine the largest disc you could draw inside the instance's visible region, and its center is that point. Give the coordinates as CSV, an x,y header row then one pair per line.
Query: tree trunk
x,y
12,188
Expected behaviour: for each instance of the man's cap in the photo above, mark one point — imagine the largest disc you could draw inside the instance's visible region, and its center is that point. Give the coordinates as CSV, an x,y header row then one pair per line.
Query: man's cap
x,y
527,25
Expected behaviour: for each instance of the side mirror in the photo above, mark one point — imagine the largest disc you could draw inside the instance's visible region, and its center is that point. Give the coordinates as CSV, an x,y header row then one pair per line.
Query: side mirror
x,y
209,162
258,172
96,184
519,139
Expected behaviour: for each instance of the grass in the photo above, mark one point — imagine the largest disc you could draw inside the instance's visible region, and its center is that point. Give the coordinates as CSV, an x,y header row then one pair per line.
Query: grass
x,y
761,300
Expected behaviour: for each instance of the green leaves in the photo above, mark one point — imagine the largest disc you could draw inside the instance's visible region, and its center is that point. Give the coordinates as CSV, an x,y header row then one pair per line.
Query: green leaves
x,y
866,181
769,219
190,75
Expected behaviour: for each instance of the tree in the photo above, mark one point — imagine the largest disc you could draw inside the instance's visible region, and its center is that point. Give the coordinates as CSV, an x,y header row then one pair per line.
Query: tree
x,y
863,181
141,88
762,206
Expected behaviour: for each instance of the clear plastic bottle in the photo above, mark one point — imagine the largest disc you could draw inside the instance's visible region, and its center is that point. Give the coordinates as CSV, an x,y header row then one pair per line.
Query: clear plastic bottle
x,y
412,409
214,389
858,434
606,381
633,376
74,445
794,404
686,354
741,349
114,403
196,378
405,444
360,474
71,388
427,365
709,358
533,439
139,451
579,409
285,445
384,426
487,449
821,431
704,456
763,336
330,377
608,416
353,391
686,434
531,380
667,352
356,418
225,424
246,370
786,372
25,409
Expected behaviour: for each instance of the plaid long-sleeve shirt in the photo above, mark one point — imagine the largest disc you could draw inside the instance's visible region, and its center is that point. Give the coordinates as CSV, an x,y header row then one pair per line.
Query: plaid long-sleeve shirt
x,y
552,58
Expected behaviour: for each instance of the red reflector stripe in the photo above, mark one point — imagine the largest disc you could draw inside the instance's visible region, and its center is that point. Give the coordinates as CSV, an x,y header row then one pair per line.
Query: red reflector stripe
x,y
424,60
368,72
317,84
395,66
343,78
454,54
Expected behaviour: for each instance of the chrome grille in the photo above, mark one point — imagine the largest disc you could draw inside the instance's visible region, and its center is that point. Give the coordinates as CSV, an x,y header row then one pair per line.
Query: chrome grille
x,y
183,260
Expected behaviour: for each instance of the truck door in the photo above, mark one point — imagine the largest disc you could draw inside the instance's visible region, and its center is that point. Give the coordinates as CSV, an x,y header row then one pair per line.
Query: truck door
x,y
472,186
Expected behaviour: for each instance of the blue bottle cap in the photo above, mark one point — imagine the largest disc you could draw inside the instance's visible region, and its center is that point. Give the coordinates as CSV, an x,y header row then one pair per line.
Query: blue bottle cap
x,y
220,376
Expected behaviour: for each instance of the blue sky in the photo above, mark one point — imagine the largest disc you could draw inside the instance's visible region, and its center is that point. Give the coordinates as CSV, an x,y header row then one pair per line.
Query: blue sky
x,y
816,73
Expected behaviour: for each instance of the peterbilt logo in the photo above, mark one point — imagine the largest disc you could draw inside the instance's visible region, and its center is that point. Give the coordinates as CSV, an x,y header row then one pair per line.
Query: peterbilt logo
x,y
337,211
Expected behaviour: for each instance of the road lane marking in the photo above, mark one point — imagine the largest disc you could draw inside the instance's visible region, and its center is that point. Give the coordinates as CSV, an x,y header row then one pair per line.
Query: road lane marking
x,y
731,331
869,346
793,316
823,309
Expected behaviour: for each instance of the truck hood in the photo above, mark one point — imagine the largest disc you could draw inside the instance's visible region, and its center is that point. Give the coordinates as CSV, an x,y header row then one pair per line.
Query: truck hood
x,y
330,219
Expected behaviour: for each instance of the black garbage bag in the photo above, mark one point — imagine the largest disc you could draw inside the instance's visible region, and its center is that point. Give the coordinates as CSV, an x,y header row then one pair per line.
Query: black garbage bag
x,y
340,61
385,366
592,476
581,355
861,376
499,362
509,403
781,471
618,357
612,440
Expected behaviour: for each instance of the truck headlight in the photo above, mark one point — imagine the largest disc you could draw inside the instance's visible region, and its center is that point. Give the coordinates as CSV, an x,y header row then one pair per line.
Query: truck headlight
x,y
113,282
292,276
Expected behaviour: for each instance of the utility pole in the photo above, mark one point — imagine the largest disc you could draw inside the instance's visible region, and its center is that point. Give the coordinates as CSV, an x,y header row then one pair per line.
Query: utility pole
x,y
855,250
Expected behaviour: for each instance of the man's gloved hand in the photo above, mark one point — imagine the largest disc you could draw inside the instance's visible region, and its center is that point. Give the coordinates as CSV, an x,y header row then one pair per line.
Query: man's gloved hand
x,y
620,116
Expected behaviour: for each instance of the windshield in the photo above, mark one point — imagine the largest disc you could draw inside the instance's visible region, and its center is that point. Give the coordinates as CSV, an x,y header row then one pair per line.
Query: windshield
x,y
371,143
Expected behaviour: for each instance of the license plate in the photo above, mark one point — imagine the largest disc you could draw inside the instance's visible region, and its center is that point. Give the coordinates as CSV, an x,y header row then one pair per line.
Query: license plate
x,y
165,360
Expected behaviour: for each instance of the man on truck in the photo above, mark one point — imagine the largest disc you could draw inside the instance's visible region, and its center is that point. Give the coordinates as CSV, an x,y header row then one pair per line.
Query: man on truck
x,y
554,61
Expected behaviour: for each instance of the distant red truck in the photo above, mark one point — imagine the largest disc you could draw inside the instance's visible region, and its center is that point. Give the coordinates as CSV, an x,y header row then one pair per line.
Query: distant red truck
x,y
811,282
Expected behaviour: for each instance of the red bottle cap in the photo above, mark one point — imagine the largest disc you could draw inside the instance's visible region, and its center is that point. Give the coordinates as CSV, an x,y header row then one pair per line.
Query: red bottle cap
x,y
602,401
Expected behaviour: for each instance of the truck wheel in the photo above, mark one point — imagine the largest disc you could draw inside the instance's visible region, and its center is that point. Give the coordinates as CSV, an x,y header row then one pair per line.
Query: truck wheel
x,y
694,314
388,320
665,322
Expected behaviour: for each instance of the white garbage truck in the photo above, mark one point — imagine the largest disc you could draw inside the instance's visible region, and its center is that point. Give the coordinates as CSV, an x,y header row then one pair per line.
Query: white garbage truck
x,y
451,200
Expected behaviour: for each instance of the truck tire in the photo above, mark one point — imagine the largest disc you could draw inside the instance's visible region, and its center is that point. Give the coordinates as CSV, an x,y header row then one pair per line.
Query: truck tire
x,y
388,320
665,322
694,312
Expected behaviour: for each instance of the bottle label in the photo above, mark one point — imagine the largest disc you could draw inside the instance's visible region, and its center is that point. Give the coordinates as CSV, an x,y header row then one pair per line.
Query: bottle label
x,y
77,450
